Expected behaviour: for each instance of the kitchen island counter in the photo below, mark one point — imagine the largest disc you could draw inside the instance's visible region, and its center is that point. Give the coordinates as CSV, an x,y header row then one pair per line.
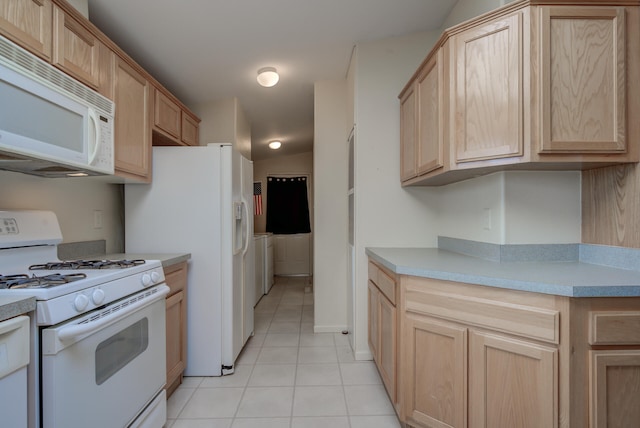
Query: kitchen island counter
x,y
587,271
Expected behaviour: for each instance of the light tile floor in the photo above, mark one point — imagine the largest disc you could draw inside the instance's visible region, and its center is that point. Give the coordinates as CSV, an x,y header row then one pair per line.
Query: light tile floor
x,y
287,377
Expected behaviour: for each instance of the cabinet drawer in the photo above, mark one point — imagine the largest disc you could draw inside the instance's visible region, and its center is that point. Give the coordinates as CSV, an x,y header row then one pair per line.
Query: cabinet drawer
x,y
176,277
383,281
614,328
482,307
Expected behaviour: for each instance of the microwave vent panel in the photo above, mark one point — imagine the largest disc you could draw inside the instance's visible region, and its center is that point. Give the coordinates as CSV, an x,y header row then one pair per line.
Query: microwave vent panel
x,y
20,60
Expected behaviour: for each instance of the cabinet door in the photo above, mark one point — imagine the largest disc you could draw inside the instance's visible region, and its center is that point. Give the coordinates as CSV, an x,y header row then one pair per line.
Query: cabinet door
x,y
408,134
374,322
28,23
75,50
614,380
132,129
512,383
488,91
583,83
434,372
176,279
190,128
387,348
430,115
167,115
176,307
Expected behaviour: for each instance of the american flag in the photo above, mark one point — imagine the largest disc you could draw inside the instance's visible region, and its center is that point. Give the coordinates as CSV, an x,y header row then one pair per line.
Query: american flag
x,y
257,198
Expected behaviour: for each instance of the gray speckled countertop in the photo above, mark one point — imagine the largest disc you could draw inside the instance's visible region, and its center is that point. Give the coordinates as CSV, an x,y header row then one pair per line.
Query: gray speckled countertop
x,y
166,259
574,278
13,306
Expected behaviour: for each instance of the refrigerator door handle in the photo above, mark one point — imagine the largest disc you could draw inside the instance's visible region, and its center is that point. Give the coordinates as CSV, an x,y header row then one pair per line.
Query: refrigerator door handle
x,y
247,234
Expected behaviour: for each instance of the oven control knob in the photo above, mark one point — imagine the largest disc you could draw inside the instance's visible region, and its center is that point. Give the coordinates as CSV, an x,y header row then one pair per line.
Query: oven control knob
x,y
155,277
146,280
80,303
97,296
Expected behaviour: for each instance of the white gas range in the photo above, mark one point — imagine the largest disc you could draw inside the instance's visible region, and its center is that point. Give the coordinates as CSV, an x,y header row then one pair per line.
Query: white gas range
x,y
98,331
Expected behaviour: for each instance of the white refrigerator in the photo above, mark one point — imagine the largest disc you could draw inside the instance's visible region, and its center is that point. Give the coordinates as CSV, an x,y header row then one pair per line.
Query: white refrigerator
x,y
201,202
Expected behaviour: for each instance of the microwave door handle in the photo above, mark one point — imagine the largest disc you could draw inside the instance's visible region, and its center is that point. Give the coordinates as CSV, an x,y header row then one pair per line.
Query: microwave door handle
x,y
75,330
94,131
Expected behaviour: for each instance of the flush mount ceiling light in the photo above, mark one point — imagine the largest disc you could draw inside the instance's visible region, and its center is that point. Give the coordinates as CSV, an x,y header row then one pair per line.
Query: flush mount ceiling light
x,y
268,77
275,145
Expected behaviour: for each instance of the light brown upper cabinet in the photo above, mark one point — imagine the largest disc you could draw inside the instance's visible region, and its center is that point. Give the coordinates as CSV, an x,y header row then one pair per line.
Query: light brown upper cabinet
x,y
76,51
172,125
529,87
190,129
132,128
487,81
56,32
583,90
28,23
166,117
422,119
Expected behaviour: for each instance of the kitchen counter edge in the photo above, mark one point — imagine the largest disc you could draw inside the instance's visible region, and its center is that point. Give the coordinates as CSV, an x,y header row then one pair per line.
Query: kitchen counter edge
x,y
167,259
563,278
13,306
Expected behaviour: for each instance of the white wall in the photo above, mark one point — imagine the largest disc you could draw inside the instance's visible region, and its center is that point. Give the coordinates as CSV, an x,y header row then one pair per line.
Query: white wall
x,y
467,9
513,207
224,121
82,6
503,208
542,207
386,214
73,200
330,208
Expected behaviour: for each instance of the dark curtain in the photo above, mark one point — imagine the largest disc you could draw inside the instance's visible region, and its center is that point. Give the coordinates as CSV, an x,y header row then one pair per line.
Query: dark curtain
x,y
287,205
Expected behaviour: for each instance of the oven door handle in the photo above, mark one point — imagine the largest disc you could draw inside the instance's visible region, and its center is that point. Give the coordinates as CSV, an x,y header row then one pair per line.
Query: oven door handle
x,y
75,330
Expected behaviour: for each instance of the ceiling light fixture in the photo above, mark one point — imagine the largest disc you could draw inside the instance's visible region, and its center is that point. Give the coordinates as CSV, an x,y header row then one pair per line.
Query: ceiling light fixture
x,y
275,145
268,77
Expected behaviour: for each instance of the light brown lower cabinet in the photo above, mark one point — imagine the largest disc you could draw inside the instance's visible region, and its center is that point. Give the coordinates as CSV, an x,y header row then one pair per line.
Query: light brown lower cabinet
x,y
176,279
469,356
383,328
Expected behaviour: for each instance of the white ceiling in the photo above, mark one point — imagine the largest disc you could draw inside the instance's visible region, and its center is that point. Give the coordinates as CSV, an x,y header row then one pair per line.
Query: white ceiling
x,y
208,50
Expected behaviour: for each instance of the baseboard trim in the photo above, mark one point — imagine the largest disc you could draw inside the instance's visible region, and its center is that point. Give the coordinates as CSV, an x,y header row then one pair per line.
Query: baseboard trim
x,y
362,356
329,328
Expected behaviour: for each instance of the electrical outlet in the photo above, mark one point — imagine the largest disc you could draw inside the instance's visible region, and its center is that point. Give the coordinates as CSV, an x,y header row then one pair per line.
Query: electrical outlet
x,y
486,219
97,219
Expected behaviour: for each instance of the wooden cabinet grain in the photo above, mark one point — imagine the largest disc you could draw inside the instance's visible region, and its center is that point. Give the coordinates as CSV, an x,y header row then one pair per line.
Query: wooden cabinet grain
x,y
531,86
512,382
29,24
176,279
76,51
166,115
434,372
172,125
383,327
422,110
190,129
477,356
474,358
487,91
60,35
132,128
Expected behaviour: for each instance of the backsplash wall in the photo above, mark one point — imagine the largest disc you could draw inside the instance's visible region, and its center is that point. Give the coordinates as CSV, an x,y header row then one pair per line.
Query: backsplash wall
x,y
74,201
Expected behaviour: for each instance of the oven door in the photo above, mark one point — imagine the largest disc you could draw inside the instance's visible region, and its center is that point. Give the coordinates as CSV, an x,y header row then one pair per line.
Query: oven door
x,y
104,369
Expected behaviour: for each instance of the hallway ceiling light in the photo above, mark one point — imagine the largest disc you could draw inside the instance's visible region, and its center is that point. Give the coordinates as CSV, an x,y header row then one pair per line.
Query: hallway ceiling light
x,y
268,77
275,145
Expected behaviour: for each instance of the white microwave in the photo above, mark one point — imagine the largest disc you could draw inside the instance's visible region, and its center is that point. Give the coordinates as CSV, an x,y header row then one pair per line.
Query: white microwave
x,y
50,124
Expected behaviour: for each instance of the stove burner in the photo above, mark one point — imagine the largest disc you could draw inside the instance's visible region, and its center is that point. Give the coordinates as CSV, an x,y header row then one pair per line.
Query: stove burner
x,y
25,281
87,264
